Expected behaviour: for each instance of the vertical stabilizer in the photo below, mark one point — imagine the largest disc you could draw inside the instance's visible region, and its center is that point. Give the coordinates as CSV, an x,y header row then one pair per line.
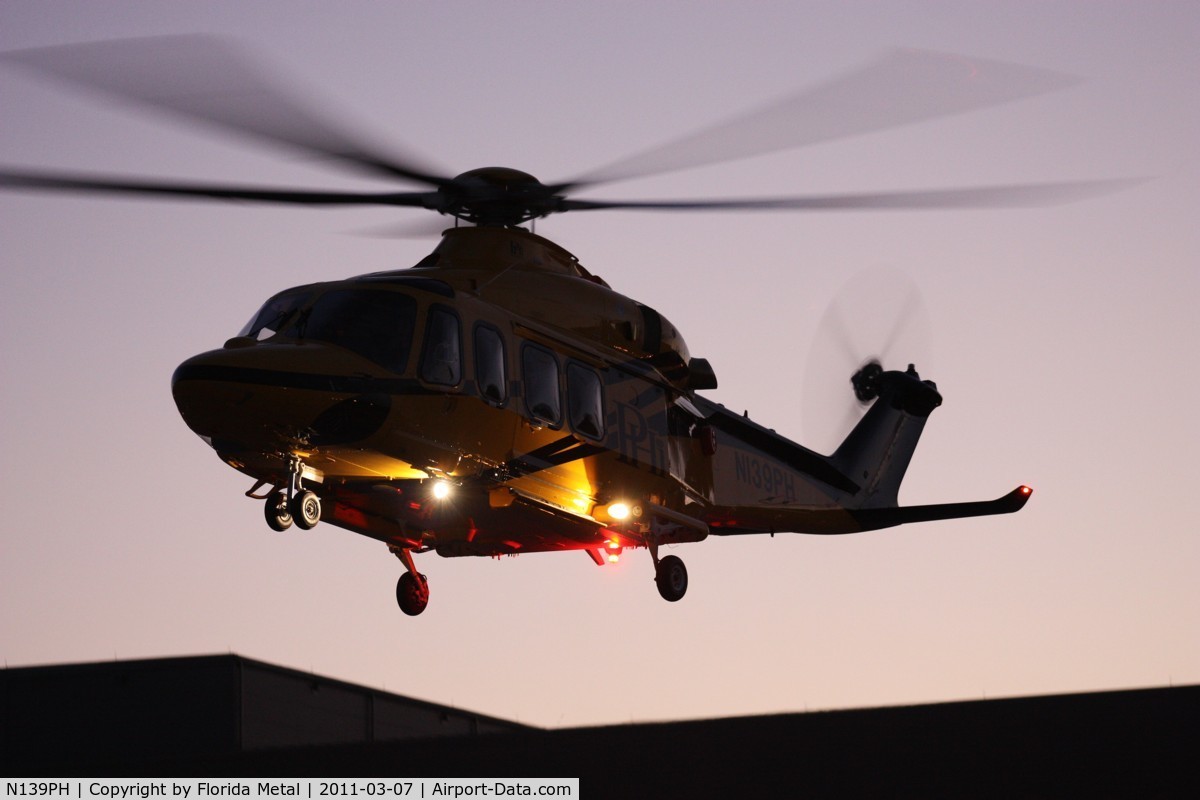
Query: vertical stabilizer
x,y
877,452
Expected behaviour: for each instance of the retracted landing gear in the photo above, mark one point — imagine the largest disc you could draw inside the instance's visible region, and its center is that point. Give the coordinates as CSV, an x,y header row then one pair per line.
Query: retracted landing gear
x,y
670,575
412,590
291,504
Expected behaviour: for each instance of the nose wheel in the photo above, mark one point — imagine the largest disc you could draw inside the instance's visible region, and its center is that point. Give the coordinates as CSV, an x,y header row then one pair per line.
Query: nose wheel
x,y
305,509
293,504
279,516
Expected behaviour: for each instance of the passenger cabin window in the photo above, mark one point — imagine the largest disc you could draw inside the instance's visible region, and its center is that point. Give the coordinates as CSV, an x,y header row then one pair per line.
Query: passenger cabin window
x,y
441,358
540,370
489,365
376,324
585,401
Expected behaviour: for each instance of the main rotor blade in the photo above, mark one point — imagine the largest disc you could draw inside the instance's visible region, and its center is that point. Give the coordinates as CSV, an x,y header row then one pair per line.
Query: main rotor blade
x,y
206,79
55,181
902,88
1014,196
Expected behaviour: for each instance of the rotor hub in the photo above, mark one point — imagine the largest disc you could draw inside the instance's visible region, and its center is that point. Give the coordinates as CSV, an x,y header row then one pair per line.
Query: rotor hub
x,y
866,381
497,196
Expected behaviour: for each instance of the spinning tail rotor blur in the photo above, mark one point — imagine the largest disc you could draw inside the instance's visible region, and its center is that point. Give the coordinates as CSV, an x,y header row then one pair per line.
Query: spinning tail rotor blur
x,y
877,321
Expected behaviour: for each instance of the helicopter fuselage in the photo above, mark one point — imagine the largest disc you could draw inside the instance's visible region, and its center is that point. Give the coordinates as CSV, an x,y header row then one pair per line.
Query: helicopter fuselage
x,y
498,399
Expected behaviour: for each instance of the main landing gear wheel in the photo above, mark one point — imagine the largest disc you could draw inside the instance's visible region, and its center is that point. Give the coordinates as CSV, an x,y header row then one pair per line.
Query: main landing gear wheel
x,y
276,511
671,577
412,593
306,510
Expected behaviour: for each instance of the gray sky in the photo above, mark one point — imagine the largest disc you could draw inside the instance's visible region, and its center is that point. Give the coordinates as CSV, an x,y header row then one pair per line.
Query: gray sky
x,y
1063,339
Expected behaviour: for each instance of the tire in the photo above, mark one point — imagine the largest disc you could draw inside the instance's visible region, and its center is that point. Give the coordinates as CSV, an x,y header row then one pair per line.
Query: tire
x,y
306,510
412,595
277,513
671,578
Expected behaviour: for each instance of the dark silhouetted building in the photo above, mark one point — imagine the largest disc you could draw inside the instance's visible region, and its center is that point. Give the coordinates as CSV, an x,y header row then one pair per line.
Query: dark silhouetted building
x,y
122,712
227,716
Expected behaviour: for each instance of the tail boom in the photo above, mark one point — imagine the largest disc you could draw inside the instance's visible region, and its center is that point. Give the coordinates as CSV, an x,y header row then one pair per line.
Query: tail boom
x,y
764,483
873,518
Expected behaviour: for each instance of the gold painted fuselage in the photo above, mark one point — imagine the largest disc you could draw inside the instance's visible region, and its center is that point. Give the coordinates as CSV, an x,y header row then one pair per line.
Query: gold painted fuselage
x,y
372,437
499,367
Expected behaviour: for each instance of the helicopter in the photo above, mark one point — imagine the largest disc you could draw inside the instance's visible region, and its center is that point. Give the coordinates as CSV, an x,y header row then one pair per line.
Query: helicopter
x,y
498,398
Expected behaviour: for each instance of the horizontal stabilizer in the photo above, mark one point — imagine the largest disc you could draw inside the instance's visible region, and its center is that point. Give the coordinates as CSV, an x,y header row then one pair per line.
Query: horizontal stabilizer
x,y
872,518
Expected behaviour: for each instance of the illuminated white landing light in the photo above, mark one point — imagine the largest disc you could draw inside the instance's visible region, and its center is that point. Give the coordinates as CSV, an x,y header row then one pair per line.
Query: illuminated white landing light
x,y
441,490
618,511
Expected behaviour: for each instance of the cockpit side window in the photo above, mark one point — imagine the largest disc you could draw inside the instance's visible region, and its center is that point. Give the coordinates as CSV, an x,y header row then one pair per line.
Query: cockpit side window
x,y
489,365
585,401
274,315
441,358
539,368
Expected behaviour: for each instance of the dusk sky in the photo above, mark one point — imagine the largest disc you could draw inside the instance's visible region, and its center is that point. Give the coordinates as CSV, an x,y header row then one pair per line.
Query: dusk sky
x,y
1063,339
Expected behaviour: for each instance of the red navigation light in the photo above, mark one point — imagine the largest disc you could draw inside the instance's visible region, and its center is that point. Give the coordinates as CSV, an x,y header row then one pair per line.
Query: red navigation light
x,y
1025,490
615,549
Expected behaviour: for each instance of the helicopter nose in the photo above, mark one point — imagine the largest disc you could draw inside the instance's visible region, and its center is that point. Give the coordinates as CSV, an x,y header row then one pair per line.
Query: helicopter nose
x,y
213,392
268,397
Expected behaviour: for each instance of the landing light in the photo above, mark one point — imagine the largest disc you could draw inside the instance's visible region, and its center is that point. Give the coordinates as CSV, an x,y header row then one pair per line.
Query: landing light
x,y
618,511
441,490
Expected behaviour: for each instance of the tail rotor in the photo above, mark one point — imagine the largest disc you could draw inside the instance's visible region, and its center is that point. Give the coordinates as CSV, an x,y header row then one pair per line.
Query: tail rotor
x,y
876,318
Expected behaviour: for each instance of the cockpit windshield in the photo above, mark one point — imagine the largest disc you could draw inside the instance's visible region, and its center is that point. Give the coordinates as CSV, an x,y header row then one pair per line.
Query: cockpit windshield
x,y
376,324
275,314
